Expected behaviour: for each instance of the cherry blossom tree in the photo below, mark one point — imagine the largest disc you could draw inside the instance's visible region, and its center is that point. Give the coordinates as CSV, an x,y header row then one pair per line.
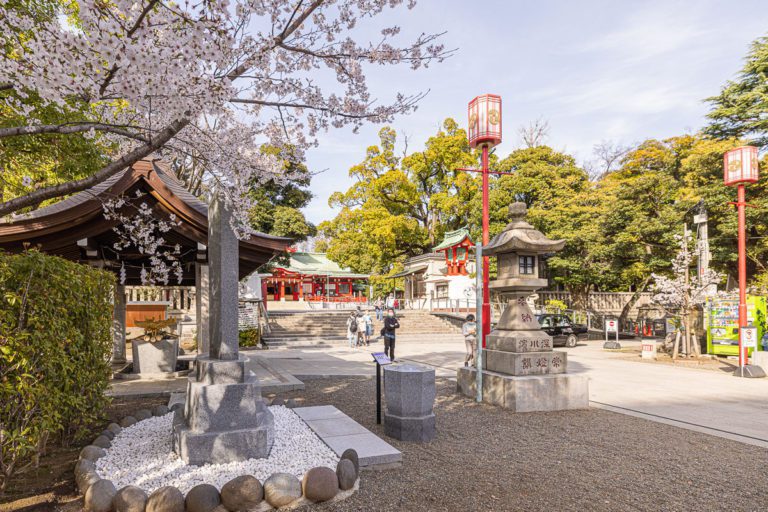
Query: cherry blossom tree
x,y
682,293
202,81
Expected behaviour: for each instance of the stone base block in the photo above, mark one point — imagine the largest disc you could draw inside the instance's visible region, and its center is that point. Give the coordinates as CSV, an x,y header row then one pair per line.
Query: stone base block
x,y
525,363
155,357
420,430
519,341
217,407
222,447
215,371
527,393
409,389
760,358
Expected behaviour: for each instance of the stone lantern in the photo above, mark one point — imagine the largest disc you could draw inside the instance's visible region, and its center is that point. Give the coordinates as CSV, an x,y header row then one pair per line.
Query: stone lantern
x,y
520,369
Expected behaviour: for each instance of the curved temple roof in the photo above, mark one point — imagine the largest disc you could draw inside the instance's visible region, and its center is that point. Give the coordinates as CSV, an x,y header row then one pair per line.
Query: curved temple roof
x,y
58,228
518,235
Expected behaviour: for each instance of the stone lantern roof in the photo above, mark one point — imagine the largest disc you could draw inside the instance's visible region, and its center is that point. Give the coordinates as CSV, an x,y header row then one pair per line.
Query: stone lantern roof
x,y
518,235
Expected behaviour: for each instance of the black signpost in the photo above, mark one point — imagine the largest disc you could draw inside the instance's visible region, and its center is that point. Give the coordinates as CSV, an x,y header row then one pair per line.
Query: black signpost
x,y
381,359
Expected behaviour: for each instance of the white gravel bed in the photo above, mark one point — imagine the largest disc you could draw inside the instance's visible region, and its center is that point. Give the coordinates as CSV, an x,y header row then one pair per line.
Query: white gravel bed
x,y
141,455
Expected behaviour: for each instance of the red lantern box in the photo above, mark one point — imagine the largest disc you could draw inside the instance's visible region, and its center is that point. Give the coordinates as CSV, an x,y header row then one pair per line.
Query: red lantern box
x,y
740,165
485,120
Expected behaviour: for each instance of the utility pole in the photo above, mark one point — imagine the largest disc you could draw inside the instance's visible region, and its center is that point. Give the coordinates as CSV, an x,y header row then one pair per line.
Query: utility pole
x,y
702,246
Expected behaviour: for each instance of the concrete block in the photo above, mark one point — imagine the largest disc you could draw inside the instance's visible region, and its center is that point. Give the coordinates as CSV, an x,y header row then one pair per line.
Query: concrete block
x,y
217,407
155,357
527,393
214,371
525,363
760,358
201,448
409,389
519,341
371,450
420,430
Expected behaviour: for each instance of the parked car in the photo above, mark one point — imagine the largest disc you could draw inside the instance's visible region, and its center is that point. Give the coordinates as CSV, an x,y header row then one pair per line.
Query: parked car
x,y
562,329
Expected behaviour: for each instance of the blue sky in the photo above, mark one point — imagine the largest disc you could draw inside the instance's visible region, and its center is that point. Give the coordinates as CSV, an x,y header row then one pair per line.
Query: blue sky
x,y
595,70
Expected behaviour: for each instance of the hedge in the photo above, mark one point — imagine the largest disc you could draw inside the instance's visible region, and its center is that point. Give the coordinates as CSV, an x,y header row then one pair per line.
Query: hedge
x,y
55,343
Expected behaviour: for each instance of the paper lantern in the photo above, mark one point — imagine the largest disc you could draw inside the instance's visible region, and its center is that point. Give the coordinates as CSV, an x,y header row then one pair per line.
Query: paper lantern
x,y
485,120
740,165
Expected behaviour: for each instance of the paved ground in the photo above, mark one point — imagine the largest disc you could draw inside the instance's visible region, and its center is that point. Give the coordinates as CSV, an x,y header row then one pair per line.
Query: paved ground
x,y
703,400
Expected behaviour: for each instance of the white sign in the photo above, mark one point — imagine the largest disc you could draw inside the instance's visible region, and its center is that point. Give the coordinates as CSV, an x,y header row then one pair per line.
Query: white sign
x,y
611,325
749,337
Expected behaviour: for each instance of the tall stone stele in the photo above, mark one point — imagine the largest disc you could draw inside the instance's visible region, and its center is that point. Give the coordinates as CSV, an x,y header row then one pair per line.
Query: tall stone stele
x,y
520,370
225,418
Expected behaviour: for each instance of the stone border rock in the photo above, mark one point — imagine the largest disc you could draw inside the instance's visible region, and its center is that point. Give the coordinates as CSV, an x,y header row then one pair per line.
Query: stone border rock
x,y
280,491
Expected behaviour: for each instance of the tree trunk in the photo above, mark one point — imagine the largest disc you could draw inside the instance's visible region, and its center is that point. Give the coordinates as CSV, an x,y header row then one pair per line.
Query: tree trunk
x,y
632,301
676,347
580,297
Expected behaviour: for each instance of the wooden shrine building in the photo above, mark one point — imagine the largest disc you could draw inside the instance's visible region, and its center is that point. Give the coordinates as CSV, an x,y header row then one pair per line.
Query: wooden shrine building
x,y
77,229
312,277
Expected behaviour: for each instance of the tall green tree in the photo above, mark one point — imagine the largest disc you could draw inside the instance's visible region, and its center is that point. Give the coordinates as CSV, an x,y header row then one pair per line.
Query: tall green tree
x,y
741,108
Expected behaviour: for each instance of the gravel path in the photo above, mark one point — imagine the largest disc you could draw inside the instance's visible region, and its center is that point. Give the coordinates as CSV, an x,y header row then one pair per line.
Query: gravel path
x,y
486,458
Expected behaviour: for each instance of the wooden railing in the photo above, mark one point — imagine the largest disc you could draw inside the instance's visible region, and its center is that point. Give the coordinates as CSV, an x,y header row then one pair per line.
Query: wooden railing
x,y
181,298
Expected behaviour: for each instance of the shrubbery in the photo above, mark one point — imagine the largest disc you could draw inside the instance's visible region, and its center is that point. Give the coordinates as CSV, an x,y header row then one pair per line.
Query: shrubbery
x,y
249,337
55,342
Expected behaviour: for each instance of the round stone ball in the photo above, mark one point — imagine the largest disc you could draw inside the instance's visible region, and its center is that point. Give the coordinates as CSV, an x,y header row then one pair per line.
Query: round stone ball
x,y
114,428
102,442
346,474
92,453
202,498
108,434
160,410
291,403
143,414
282,489
128,421
130,499
242,493
320,484
165,499
99,496
178,405
351,454
278,401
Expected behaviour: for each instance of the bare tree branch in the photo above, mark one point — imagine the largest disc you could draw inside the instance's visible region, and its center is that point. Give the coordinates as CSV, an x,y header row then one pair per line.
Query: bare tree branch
x,y
65,129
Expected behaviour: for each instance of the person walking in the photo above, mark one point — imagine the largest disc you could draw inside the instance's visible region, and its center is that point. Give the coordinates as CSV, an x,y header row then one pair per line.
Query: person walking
x,y
368,327
469,331
361,328
378,307
352,329
390,324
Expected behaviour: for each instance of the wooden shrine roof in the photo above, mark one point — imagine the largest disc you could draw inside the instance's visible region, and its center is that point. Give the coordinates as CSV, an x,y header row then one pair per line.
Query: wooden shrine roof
x,y
56,229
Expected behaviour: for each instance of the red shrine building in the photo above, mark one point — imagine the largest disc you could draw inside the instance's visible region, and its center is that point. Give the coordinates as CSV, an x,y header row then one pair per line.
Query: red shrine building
x,y
312,277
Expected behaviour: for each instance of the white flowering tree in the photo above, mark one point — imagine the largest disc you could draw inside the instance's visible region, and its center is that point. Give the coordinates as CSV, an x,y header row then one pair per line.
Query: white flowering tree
x,y
681,294
202,81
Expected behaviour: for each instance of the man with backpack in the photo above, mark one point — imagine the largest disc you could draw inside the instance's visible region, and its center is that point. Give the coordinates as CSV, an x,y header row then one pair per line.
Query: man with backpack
x,y
390,324
352,329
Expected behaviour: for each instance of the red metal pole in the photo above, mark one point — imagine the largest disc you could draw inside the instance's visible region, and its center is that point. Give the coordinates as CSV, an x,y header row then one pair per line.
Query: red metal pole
x,y
741,205
486,292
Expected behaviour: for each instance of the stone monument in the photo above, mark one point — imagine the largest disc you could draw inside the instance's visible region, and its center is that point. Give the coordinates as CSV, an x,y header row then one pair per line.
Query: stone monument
x,y
224,419
410,394
520,370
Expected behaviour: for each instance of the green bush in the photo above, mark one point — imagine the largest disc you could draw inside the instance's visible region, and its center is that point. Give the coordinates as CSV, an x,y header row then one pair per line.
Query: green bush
x,y
55,343
249,337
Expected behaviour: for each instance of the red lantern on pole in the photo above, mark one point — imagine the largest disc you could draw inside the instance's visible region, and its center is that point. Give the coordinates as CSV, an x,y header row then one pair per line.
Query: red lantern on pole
x,y
485,131
485,120
740,167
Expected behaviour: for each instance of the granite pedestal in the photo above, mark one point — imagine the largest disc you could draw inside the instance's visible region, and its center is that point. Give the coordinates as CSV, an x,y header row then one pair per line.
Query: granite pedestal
x,y
155,357
223,421
409,390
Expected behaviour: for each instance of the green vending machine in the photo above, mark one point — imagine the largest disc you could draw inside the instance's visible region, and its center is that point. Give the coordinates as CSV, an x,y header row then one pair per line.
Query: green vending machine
x,y
721,321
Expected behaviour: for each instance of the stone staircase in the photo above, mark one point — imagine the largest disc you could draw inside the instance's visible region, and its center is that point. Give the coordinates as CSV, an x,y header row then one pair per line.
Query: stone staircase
x,y
327,328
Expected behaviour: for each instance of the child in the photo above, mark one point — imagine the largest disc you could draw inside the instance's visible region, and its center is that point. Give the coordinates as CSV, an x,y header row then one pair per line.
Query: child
x,y
469,330
352,329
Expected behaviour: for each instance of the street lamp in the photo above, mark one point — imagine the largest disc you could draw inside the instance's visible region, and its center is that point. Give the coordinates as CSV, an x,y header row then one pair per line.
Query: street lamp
x,y
485,131
740,167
